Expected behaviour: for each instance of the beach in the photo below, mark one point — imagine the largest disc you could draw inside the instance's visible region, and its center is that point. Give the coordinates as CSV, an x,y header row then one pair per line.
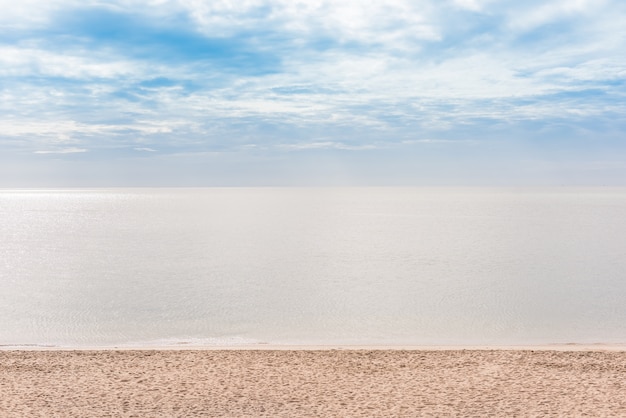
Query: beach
x,y
564,381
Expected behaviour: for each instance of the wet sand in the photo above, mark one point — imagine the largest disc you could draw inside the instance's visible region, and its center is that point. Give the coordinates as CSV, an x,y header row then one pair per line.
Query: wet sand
x,y
309,383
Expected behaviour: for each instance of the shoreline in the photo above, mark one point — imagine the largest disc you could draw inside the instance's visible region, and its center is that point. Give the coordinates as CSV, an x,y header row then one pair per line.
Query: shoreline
x,y
616,347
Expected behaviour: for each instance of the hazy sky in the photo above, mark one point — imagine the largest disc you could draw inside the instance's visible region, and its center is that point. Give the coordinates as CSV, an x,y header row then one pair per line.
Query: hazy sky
x,y
295,92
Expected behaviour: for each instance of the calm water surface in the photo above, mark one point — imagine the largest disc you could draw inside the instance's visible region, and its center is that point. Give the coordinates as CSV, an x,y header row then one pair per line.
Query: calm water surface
x,y
312,266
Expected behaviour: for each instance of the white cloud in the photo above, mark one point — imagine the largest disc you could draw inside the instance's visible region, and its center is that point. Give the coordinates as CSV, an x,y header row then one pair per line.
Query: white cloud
x,y
28,13
474,5
20,61
439,141
62,130
329,145
531,17
348,20
61,151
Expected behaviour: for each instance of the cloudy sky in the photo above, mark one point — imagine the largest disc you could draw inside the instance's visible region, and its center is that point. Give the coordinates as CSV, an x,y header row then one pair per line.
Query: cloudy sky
x,y
312,92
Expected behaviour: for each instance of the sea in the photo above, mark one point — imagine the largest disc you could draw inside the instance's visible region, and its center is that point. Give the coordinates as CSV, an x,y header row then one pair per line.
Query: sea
x,y
312,266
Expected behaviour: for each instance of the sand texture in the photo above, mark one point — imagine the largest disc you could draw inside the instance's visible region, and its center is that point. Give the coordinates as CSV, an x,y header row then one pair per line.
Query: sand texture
x,y
308,383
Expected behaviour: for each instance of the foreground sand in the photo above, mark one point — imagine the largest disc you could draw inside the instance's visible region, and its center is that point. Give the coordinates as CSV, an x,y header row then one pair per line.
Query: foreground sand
x,y
288,383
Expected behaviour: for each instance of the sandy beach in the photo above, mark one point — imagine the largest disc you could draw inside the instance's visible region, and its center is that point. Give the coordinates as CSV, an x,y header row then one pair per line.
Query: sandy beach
x,y
293,383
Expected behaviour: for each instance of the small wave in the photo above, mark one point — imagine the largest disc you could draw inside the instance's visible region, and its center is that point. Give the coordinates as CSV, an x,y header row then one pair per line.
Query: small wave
x,y
26,346
195,342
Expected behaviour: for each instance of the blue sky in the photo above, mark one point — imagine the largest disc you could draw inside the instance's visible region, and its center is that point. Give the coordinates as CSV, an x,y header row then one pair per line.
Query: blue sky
x,y
289,92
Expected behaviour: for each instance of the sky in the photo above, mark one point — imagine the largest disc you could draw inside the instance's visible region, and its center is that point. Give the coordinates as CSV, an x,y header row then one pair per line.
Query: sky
x,y
297,93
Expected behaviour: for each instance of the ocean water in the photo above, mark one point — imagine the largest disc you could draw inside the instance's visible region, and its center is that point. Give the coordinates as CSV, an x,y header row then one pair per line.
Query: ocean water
x,y
312,266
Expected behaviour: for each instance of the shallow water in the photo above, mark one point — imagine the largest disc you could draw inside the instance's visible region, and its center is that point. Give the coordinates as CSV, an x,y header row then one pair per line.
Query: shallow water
x,y
312,266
